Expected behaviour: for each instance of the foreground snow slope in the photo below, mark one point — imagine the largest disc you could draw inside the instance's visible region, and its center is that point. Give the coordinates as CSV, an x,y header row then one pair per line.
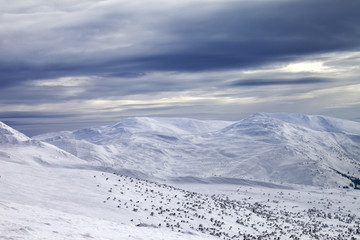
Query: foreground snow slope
x,y
290,148
60,203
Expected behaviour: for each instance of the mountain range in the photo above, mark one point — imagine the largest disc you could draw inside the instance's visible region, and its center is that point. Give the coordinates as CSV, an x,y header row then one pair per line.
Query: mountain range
x,y
267,147
268,176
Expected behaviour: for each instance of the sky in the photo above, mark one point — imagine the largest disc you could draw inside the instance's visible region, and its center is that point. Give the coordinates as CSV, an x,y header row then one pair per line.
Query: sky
x,y
66,65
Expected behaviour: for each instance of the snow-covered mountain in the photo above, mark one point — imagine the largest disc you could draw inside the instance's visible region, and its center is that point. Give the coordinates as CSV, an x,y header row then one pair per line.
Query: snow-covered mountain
x,y
18,148
47,193
288,148
9,135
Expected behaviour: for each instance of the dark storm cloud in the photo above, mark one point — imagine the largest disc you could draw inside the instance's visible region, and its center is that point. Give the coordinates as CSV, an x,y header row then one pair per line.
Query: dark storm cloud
x,y
251,34
277,81
92,89
228,36
24,93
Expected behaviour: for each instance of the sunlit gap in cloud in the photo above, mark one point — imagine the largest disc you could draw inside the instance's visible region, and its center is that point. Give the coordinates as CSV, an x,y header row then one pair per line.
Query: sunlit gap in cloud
x,y
63,81
348,62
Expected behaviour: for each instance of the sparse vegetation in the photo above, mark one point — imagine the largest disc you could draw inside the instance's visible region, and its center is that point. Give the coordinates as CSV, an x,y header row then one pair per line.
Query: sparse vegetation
x,y
219,215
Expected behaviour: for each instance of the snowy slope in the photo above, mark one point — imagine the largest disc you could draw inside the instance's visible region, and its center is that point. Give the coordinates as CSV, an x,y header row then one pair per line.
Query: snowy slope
x,y
10,135
40,202
47,193
57,199
16,147
316,122
63,203
289,148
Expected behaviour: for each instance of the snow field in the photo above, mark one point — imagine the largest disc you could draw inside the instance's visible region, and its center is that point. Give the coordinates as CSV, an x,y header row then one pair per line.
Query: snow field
x,y
41,203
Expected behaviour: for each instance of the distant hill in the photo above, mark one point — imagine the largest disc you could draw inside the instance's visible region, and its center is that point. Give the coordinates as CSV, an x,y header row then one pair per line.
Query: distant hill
x,y
278,148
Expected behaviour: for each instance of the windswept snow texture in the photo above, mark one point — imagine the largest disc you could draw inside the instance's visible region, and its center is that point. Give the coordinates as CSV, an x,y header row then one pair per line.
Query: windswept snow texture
x,y
278,148
9,135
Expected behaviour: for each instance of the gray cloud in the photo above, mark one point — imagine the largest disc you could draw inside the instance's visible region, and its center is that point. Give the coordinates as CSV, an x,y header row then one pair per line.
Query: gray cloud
x,y
42,115
107,40
143,50
279,81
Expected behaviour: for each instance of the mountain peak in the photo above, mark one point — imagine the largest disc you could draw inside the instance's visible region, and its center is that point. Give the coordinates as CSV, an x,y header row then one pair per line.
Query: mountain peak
x,y
314,122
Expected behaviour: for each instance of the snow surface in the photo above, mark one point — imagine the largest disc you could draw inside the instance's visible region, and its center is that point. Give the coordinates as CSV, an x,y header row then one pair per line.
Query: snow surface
x,y
61,203
288,148
18,148
10,135
47,193
56,203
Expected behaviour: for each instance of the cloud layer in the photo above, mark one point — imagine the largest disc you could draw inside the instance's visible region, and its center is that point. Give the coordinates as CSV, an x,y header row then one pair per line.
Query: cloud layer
x,y
63,53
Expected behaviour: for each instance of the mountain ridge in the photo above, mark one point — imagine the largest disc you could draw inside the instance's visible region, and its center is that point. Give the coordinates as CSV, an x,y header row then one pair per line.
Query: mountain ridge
x,y
275,147
10,135
17,147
